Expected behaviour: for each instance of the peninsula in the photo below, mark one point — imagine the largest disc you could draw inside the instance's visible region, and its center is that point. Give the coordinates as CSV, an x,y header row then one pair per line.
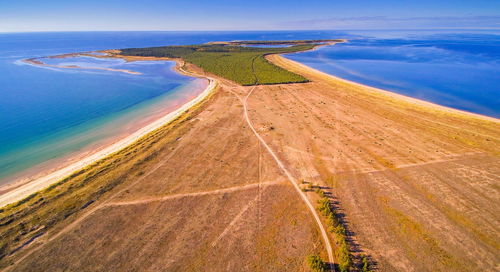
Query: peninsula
x,y
276,167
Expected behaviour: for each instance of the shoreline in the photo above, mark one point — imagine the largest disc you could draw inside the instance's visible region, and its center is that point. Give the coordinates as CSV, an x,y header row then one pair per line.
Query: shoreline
x,y
24,188
128,122
393,94
381,160
18,190
414,101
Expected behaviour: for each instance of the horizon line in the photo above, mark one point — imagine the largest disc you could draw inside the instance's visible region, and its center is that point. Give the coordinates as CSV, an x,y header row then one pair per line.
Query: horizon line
x,y
259,30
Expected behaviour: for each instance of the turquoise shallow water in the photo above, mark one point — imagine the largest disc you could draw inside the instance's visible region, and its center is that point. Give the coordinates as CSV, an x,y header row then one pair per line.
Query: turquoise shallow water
x,y
46,114
85,61
58,112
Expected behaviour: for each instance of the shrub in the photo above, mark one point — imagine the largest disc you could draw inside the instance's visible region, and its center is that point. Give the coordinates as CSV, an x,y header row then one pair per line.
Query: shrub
x,y
316,264
365,263
335,226
320,192
324,206
344,257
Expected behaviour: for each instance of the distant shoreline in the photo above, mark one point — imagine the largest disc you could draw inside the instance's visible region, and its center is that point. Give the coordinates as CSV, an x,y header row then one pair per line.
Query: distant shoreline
x,y
391,94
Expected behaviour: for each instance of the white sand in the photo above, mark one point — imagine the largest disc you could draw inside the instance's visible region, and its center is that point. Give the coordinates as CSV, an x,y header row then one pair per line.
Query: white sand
x,y
45,181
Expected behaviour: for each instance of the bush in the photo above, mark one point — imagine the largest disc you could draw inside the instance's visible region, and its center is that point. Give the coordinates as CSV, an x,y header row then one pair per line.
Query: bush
x,y
365,263
320,192
324,206
335,226
344,257
316,264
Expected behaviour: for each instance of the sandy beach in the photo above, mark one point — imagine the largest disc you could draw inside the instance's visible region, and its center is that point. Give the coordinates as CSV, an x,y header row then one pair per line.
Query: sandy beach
x,y
16,191
298,67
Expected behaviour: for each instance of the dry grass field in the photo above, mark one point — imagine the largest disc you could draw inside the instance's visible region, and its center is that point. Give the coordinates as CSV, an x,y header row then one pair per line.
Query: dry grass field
x,y
416,185
419,185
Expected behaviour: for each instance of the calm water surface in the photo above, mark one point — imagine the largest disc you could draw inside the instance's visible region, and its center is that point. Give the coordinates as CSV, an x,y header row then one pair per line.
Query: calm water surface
x,y
459,70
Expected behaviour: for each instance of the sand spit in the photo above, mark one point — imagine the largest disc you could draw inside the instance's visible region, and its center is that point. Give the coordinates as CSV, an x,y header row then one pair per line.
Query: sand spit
x,y
415,185
37,62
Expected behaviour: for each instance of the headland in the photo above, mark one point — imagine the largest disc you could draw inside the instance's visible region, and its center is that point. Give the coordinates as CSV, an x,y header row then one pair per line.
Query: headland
x,y
395,184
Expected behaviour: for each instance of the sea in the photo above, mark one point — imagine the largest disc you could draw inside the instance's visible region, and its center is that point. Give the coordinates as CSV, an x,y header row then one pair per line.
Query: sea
x,y
49,115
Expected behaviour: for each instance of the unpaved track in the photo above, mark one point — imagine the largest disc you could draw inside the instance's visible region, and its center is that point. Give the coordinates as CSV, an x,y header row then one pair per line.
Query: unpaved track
x,y
238,217
415,181
39,243
168,197
289,176
43,240
292,180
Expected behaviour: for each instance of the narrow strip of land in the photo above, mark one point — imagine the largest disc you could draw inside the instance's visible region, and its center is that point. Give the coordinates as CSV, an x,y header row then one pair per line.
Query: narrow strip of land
x,y
412,183
37,62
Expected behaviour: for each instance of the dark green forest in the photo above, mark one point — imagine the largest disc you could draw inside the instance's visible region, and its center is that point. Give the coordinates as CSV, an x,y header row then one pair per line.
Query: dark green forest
x,y
243,65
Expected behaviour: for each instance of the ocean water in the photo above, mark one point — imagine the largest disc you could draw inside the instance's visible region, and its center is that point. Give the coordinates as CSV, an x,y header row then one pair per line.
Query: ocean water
x,y
47,113
455,69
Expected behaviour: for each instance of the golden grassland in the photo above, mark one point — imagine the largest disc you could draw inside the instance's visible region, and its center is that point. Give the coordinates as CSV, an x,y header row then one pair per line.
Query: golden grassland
x,y
38,213
413,186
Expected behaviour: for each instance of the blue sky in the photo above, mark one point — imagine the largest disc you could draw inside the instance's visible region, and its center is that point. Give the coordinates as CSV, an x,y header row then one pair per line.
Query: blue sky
x,y
73,15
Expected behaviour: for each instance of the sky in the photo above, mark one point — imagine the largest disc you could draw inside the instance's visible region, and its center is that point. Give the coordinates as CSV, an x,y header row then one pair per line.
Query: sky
x,y
178,15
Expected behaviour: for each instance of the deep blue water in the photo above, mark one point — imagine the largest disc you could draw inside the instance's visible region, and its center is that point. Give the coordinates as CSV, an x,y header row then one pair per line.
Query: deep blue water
x,y
46,113
459,70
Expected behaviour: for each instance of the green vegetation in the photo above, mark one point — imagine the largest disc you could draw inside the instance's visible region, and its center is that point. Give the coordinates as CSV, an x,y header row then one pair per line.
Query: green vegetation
x,y
365,263
335,226
27,219
316,264
243,65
